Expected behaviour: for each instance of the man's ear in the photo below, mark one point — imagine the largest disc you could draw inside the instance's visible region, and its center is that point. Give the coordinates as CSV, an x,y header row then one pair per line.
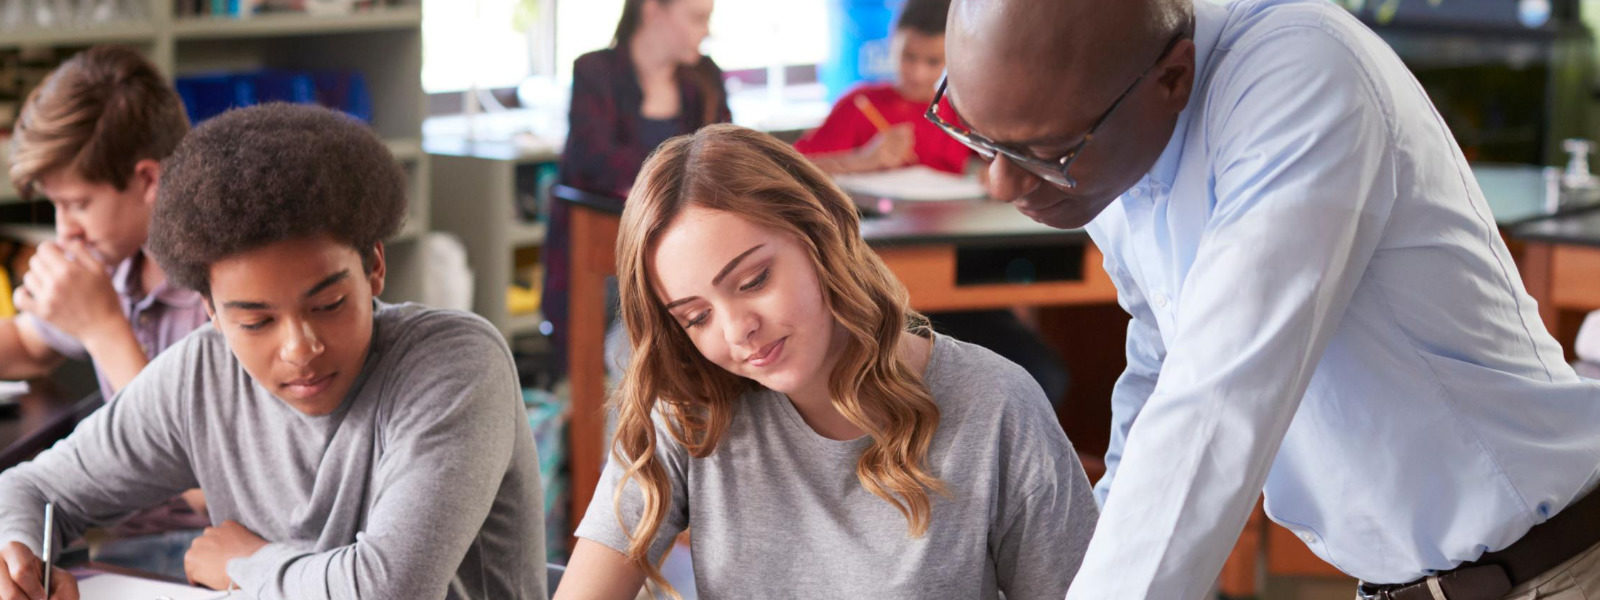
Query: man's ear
x,y
375,275
147,173
1176,76
211,309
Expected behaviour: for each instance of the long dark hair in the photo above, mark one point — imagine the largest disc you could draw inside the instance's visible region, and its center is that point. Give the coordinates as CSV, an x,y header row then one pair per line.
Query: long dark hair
x,y
629,23
701,75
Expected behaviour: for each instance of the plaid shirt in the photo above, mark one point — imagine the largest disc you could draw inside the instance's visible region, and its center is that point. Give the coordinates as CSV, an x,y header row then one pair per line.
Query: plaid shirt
x,y
604,151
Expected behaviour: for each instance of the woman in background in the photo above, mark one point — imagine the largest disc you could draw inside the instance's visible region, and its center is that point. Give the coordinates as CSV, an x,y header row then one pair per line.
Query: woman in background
x,y
650,85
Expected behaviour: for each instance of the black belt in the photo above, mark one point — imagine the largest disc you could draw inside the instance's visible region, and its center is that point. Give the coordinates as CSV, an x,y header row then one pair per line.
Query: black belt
x,y
1492,576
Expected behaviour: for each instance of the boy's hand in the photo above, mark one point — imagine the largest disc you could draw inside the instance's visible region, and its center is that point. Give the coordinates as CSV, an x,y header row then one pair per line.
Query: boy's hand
x,y
206,563
24,576
892,148
69,288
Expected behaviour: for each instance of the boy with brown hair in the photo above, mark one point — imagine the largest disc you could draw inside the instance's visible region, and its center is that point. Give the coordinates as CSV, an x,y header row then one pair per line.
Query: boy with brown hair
x,y
91,138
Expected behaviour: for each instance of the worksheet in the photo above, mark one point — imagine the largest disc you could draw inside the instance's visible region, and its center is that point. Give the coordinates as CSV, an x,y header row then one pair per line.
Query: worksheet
x,y
918,183
111,586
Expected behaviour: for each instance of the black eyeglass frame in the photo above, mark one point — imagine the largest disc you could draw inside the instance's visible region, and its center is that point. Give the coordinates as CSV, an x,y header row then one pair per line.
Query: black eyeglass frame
x,y
1055,171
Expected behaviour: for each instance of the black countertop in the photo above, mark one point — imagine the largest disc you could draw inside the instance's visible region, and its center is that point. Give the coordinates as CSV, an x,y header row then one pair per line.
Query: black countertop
x,y
974,223
1580,228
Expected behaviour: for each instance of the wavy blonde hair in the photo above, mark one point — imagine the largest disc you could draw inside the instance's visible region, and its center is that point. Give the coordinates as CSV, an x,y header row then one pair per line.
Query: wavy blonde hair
x,y
733,169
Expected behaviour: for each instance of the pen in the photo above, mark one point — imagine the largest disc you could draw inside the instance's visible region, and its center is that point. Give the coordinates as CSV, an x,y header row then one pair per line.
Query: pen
x,y
49,529
871,113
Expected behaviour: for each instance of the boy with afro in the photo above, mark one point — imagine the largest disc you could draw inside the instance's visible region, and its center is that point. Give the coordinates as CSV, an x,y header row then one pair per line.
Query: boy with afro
x,y
348,448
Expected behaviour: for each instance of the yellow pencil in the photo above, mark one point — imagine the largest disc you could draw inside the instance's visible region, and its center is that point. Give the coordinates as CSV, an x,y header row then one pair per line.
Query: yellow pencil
x,y
871,113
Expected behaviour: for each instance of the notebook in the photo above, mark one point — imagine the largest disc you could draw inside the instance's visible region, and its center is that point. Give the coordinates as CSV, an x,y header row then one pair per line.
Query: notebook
x,y
95,585
918,183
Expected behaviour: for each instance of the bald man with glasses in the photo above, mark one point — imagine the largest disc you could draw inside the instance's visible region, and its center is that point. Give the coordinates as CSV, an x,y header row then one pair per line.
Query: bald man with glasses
x,y
1322,305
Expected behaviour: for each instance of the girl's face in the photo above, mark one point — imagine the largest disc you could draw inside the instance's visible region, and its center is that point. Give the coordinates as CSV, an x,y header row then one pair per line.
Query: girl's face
x,y
748,298
681,25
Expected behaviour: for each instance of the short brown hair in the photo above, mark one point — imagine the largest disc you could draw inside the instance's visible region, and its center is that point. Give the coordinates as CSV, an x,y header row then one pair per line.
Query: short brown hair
x,y
99,113
256,176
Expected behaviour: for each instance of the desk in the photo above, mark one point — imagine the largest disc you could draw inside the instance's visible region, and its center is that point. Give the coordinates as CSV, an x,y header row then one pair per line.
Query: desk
x,y
1587,370
1560,265
37,420
926,245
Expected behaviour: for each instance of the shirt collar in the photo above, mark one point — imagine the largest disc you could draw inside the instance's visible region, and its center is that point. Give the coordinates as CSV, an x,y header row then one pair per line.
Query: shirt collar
x,y
1208,21
125,280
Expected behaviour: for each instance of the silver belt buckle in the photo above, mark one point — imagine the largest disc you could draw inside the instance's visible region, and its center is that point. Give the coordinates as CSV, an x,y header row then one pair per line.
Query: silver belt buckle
x,y
1381,594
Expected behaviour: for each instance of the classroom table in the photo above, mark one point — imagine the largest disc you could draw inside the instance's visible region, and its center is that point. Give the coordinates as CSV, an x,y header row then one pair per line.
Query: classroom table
x,y
950,256
1560,265
36,419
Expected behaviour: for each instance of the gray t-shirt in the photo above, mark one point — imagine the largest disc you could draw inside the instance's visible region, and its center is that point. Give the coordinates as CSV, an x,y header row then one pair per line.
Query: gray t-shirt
x,y
777,511
423,484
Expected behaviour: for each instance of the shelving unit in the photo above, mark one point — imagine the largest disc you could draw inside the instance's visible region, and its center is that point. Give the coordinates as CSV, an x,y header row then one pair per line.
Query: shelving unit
x,y
383,43
474,190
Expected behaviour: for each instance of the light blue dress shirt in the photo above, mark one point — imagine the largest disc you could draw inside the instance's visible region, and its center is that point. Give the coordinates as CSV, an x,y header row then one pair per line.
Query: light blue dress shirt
x,y
1323,308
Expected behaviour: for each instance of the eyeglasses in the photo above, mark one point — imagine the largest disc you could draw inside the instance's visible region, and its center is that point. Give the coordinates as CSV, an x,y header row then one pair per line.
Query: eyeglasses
x,y
1054,171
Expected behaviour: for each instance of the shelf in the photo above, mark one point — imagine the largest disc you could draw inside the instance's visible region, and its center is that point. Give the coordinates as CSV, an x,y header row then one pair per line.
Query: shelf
x,y
29,234
410,231
526,234
405,150
524,324
130,31
8,194
295,25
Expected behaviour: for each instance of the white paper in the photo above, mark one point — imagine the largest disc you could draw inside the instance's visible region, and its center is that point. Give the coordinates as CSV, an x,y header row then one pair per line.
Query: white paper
x,y
918,183
112,586
1588,345
10,391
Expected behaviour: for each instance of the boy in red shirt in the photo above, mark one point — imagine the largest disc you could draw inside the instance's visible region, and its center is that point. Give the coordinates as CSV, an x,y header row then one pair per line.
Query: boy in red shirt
x,y
879,126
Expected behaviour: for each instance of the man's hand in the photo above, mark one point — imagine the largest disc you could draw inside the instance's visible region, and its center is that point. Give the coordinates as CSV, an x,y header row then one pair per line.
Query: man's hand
x,y
206,563
69,288
24,576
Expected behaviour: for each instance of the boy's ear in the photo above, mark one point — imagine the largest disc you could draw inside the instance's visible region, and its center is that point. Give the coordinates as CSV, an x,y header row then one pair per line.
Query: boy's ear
x,y
147,173
375,277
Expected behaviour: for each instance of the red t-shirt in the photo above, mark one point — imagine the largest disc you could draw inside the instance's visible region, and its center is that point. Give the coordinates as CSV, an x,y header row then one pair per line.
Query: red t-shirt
x,y
847,129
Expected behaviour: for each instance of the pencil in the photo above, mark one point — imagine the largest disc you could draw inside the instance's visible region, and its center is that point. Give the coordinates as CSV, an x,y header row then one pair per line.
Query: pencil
x,y
49,550
871,113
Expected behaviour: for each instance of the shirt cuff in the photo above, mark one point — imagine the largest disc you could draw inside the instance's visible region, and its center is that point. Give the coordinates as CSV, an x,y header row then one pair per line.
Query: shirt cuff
x,y
254,575
56,339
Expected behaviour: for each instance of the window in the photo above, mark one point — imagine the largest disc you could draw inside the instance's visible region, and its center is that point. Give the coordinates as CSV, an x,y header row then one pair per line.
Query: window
x,y
499,43
487,43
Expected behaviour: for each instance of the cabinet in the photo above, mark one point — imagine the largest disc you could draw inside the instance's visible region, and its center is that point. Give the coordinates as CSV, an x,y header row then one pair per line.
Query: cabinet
x,y
475,188
383,43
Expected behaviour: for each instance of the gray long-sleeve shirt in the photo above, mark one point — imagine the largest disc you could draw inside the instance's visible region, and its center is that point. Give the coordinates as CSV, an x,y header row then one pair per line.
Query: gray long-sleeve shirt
x,y
423,484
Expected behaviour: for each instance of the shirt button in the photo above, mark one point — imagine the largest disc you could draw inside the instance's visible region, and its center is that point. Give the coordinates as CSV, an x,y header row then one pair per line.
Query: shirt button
x,y
1161,301
1308,538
